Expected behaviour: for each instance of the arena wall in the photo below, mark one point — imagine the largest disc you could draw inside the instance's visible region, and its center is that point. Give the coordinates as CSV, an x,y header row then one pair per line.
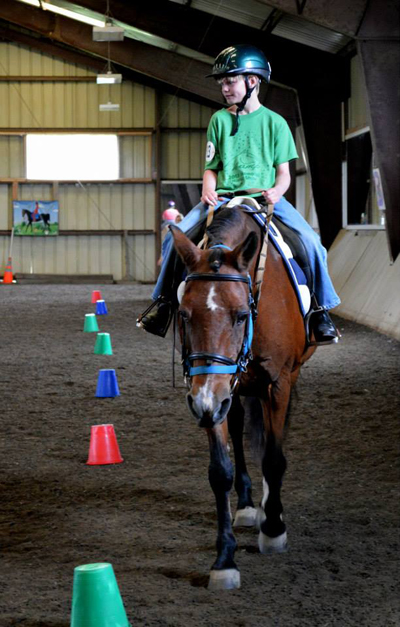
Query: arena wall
x,y
366,280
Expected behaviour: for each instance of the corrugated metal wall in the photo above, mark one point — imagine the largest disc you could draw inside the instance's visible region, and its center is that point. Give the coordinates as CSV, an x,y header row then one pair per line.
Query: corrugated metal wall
x,y
183,151
129,206
358,103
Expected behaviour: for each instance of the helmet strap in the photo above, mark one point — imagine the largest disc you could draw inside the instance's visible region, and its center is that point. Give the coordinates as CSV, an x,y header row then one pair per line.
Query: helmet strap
x,y
242,104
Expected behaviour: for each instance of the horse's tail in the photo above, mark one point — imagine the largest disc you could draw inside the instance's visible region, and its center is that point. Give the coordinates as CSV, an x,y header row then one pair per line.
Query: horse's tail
x,y
254,426
254,423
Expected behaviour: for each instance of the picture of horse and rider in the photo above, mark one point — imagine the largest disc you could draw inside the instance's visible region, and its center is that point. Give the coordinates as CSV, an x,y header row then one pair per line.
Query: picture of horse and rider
x,y
35,217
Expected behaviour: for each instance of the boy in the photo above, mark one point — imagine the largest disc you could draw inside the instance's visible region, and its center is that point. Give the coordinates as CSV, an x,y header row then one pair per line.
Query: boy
x,y
248,152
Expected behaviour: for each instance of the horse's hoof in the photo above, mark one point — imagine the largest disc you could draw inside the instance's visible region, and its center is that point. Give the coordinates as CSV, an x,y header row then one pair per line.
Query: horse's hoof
x,y
226,579
260,517
245,517
269,545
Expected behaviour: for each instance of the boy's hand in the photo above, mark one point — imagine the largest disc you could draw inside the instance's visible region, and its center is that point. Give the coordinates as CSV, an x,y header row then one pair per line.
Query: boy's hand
x,y
209,197
272,195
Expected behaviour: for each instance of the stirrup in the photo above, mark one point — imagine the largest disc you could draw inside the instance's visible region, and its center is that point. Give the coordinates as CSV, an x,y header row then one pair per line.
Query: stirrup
x,y
311,342
155,303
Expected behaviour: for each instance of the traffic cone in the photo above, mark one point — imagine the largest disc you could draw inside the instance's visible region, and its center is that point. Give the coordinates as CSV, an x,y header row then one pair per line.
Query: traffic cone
x,y
96,295
90,324
96,599
8,275
103,447
101,308
103,344
107,384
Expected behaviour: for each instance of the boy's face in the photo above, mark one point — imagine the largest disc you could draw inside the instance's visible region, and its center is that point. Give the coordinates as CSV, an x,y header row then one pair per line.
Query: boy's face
x,y
233,88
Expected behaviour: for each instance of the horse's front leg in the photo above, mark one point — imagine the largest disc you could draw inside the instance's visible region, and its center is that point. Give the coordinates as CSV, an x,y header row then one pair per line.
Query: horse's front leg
x,y
272,537
245,512
224,574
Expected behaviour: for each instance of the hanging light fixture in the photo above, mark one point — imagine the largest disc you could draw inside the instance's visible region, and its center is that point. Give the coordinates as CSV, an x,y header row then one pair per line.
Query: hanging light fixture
x,y
108,77
108,32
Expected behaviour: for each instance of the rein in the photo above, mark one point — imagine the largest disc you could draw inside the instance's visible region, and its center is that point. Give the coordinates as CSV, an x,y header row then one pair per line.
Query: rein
x,y
226,365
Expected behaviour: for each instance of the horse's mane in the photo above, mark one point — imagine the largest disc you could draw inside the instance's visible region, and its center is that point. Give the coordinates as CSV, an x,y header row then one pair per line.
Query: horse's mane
x,y
224,220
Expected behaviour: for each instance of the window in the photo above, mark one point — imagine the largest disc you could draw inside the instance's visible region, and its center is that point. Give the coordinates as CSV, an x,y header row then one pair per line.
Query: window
x,y
77,157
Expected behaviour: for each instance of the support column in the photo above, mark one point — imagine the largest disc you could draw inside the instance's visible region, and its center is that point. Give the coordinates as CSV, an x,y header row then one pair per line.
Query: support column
x,y
381,61
321,117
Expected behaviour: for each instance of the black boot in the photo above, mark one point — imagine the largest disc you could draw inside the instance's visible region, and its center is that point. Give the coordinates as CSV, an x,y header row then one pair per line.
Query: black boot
x,y
323,328
157,318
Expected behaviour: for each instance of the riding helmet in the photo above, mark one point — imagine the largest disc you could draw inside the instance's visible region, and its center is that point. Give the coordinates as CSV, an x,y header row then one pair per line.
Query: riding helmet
x,y
241,59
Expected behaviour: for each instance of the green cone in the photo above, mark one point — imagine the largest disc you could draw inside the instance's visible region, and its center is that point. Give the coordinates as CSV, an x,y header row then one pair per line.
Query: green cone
x,y
90,325
96,600
103,344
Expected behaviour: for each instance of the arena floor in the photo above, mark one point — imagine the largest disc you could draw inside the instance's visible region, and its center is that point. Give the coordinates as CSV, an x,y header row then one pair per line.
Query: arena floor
x,y
153,516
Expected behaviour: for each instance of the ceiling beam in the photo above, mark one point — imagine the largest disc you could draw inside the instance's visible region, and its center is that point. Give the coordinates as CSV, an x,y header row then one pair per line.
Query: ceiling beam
x,y
341,15
292,63
72,41
162,65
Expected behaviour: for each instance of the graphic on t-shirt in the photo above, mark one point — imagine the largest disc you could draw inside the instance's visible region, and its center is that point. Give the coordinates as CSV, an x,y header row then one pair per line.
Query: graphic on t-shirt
x,y
210,152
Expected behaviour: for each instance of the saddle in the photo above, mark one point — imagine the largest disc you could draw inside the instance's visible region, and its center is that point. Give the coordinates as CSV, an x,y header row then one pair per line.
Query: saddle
x,y
288,244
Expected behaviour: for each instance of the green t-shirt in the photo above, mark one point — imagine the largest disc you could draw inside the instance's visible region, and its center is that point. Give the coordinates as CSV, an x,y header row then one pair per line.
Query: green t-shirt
x,y
248,159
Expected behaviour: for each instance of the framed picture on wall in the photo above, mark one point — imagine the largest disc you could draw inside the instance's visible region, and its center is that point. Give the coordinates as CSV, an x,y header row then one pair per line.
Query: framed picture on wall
x,y
35,217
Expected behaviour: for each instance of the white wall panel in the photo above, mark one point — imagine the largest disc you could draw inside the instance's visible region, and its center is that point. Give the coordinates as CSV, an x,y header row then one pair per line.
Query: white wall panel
x,y
366,281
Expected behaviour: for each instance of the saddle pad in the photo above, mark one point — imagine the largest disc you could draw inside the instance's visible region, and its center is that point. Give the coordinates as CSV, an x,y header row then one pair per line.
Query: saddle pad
x,y
296,274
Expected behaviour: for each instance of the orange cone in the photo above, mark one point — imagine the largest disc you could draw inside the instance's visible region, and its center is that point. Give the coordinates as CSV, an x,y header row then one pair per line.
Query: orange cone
x,y
8,275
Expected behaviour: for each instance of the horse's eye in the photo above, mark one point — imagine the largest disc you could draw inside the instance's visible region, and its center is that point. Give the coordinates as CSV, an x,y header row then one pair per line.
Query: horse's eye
x,y
184,315
241,317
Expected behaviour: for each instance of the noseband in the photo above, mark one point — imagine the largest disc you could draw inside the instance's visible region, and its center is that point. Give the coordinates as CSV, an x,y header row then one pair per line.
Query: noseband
x,y
226,364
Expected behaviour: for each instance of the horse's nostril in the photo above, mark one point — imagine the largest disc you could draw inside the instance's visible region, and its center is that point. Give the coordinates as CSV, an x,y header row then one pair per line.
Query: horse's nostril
x,y
208,414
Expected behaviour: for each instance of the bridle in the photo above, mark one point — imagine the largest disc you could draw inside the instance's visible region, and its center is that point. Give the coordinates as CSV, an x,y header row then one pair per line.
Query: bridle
x,y
220,364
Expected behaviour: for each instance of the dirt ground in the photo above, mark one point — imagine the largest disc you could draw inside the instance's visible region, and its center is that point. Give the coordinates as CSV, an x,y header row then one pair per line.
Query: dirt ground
x,y
153,516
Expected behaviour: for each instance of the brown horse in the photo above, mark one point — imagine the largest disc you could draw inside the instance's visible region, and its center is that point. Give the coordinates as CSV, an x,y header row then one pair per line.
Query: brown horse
x,y
223,361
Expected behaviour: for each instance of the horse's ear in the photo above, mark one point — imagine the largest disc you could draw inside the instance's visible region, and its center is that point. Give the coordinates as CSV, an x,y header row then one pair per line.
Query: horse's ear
x,y
244,252
188,252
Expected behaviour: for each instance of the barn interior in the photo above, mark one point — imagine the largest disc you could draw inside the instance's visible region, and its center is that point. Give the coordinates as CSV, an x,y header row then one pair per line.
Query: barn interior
x,y
334,79
131,76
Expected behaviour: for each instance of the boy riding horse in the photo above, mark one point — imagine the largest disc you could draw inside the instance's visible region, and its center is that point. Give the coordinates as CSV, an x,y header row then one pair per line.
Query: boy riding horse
x,y
248,152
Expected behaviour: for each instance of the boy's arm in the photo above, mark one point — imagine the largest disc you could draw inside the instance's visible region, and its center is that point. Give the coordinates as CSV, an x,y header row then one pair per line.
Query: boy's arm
x,y
208,195
282,182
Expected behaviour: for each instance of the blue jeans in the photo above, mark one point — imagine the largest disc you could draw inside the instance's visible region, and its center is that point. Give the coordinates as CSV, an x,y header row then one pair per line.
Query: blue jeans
x,y
324,290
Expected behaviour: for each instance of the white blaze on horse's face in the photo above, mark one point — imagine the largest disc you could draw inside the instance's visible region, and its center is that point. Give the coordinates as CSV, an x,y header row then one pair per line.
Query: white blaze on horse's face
x,y
205,397
211,304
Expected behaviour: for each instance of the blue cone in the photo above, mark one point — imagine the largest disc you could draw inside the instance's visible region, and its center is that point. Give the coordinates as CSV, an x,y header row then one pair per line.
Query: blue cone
x,y
107,384
101,308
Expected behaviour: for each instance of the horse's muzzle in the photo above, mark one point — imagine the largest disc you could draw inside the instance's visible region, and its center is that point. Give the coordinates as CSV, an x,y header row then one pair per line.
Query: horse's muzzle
x,y
208,411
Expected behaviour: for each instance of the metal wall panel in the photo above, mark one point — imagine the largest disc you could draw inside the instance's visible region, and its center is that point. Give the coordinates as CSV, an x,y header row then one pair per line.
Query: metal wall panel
x,y
178,112
183,155
4,208
66,105
11,155
135,156
357,104
82,254
106,206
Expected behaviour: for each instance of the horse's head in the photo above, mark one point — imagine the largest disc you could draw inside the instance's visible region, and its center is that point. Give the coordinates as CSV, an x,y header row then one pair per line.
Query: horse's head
x,y
215,320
